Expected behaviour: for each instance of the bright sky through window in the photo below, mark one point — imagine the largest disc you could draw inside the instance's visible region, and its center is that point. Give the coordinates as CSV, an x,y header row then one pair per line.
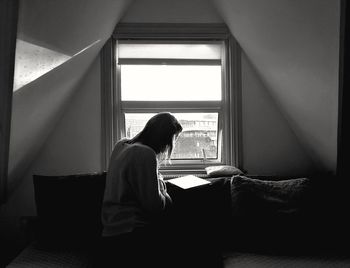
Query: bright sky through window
x,y
171,83
150,74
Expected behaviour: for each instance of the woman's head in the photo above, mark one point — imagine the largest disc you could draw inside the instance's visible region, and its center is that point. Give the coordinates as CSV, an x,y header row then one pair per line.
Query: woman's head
x,y
159,133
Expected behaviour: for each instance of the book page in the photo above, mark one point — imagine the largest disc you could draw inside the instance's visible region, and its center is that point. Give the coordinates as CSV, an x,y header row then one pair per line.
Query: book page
x,y
188,181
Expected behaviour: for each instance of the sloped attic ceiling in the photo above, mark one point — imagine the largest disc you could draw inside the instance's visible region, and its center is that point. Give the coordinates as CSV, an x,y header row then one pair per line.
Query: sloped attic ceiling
x,y
67,36
294,46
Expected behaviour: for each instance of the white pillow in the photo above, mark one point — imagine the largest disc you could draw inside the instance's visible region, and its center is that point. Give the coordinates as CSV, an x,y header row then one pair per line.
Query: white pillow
x,y
223,170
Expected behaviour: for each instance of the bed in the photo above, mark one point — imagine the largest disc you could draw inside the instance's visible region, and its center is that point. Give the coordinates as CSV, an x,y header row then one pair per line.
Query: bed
x,y
255,221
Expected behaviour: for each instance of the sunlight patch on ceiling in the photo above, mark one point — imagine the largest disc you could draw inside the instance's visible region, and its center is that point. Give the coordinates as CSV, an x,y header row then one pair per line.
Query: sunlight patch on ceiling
x,y
33,61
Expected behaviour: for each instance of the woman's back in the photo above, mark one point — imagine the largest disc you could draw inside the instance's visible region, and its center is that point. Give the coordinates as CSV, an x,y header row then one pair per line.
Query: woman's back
x,y
131,195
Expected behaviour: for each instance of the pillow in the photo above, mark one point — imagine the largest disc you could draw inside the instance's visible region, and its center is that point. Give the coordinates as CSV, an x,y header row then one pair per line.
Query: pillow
x,y
69,209
222,171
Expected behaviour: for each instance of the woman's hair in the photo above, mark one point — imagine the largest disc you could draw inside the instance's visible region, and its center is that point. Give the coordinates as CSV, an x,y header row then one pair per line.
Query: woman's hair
x,y
159,133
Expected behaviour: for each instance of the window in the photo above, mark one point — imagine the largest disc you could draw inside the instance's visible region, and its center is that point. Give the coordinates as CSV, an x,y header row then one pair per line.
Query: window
x,y
183,69
197,141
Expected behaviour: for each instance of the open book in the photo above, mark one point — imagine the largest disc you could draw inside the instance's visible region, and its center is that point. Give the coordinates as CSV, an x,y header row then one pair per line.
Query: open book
x,y
188,181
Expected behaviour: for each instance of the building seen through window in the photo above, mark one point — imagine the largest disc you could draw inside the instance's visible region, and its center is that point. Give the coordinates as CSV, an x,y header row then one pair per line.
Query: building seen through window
x,y
197,140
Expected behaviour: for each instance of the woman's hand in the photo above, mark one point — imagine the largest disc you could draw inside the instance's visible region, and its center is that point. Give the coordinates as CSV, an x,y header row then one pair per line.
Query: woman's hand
x,y
162,185
163,191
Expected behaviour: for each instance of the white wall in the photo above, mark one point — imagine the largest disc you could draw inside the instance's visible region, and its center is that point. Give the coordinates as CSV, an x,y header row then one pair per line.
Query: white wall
x,y
269,144
170,11
73,147
37,106
294,46
36,109
75,144
78,29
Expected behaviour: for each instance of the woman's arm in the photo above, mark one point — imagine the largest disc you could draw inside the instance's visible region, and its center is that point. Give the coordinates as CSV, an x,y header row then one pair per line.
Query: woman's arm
x,y
148,187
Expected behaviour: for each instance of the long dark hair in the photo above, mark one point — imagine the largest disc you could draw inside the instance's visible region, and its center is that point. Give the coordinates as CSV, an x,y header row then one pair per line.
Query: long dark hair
x,y
159,133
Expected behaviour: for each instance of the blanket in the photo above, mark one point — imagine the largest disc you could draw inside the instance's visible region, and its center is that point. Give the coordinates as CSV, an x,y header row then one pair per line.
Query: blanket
x,y
267,215
250,195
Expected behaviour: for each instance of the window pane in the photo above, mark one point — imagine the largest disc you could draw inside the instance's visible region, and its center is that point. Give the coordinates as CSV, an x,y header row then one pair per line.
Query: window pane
x,y
169,51
197,140
135,122
170,83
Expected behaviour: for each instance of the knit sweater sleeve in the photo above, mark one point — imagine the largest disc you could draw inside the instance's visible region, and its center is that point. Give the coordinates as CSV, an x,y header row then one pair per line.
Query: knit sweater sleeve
x,y
144,181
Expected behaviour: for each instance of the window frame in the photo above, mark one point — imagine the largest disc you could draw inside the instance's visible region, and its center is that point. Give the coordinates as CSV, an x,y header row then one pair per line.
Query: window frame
x,y
230,105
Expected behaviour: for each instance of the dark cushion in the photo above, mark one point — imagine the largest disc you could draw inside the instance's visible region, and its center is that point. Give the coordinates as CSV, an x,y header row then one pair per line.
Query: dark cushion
x,y
69,209
295,215
261,196
268,215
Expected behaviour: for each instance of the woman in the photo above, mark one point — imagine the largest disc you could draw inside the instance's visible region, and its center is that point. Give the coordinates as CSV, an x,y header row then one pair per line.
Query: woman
x,y
136,196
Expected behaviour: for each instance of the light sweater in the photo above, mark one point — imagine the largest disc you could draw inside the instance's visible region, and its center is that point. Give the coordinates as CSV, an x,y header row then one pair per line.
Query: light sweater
x,y
134,190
